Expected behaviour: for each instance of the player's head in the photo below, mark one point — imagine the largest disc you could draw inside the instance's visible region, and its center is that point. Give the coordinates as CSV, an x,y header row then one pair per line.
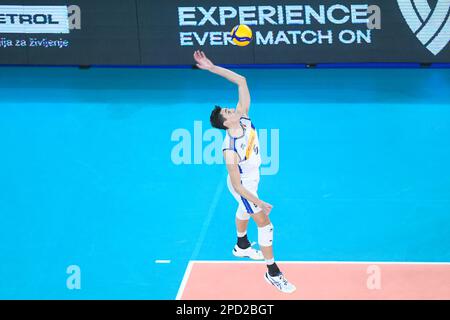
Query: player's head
x,y
223,118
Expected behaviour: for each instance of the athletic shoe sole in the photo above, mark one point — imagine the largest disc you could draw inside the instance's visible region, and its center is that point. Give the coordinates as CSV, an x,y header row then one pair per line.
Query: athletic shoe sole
x,y
238,256
270,282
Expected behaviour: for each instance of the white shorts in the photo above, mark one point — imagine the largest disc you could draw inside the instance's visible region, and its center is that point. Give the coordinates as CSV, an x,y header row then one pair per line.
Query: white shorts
x,y
245,207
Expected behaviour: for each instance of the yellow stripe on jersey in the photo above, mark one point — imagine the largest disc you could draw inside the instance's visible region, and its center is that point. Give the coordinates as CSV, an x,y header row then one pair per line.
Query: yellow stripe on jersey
x,y
251,143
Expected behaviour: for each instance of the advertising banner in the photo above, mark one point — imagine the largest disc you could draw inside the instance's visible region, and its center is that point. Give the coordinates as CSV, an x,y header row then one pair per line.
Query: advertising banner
x,y
149,32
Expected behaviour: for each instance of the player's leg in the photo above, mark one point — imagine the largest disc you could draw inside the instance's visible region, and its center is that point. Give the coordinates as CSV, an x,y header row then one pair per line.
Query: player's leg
x,y
241,225
243,247
241,230
265,239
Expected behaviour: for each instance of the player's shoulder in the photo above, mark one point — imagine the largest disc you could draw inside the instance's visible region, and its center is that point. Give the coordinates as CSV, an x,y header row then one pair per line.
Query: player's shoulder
x,y
245,119
245,116
226,141
230,148
247,122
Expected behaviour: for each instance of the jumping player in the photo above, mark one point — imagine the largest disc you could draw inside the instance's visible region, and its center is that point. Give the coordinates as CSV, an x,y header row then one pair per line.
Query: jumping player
x,y
242,158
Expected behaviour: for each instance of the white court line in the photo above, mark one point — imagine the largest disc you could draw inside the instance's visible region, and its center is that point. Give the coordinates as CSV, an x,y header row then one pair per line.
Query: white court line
x,y
201,238
185,279
163,261
206,223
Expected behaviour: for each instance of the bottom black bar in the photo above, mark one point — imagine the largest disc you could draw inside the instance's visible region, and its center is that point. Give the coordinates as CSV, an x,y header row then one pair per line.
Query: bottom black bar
x,y
227,309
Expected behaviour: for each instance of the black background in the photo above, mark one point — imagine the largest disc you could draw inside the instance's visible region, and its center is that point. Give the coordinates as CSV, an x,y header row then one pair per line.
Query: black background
x,y
293,309
146,32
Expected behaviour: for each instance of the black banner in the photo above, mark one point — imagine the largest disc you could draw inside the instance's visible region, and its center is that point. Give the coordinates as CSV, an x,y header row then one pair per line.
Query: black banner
x,y
229,309
100,32
149,32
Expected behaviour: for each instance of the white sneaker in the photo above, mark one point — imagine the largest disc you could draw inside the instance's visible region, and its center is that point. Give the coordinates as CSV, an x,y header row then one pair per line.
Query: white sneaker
x,y
280,283
250,252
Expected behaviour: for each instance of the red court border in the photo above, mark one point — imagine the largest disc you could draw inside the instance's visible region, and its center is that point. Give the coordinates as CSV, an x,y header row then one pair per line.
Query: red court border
x,y
322,280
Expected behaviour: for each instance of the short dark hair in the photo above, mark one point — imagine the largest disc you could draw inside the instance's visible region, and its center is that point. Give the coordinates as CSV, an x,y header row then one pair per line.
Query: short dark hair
x,y
217,118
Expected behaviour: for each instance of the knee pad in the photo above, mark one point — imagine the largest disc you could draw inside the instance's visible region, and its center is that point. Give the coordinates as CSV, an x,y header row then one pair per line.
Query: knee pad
x,y
265,235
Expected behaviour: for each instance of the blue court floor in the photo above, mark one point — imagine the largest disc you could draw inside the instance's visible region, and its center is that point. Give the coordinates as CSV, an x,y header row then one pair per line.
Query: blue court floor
x,y
90,173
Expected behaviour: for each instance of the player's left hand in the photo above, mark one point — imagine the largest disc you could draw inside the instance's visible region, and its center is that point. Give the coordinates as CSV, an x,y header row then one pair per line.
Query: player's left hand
x,y
266,207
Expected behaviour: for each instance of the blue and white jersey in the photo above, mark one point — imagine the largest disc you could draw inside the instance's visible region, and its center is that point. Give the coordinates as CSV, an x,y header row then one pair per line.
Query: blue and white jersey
x,y
247,148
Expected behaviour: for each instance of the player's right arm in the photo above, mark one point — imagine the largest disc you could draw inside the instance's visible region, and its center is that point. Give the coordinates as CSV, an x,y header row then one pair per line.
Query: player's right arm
x,y
232,161
244,94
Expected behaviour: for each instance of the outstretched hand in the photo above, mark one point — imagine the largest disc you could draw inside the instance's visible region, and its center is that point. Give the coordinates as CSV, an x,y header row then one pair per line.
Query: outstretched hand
x,y
266,207
202,61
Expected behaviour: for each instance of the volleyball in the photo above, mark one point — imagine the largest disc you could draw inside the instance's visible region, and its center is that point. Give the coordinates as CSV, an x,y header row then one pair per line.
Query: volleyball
x,y
241,35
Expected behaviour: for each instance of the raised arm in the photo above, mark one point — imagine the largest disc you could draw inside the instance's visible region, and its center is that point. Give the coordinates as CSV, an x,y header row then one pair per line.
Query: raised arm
x,y
244,94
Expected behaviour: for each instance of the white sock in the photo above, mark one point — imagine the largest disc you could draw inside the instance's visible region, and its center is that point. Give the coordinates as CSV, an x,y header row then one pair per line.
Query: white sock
x,y
241,234
270,261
